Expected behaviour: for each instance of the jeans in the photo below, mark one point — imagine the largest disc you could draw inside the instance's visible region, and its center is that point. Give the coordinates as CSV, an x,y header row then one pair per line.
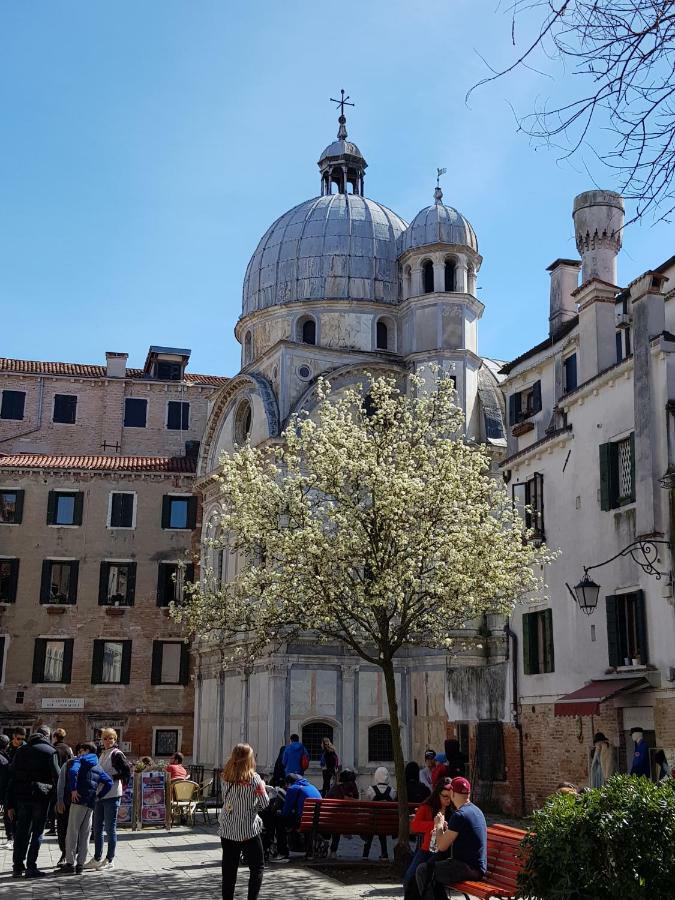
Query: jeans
x,y
77,838
442,872
328,776
31,818
105,813
419,857
252,851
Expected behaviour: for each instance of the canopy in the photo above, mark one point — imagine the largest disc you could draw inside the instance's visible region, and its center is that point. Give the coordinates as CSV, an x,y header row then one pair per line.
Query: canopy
x,y
586,700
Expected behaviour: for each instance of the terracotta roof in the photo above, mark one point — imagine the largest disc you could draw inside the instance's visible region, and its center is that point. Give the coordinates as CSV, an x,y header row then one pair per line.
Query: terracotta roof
x,y
186,464
82,370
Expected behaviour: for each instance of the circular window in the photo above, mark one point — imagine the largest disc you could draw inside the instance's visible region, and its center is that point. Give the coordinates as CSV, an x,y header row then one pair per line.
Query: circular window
x,y
304,372
242,422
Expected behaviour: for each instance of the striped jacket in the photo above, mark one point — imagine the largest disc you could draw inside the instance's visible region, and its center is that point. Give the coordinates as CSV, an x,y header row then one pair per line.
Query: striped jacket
x,y
239,819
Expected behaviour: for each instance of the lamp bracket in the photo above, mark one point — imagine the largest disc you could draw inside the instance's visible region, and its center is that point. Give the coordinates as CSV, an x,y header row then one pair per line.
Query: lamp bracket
x,y
643,552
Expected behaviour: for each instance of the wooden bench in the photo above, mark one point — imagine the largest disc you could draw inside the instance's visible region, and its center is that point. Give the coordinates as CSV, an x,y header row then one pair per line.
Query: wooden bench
x,y
362,817
505,861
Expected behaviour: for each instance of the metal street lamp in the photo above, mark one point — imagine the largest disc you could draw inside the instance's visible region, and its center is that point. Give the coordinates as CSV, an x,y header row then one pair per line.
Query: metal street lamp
x,y
643,552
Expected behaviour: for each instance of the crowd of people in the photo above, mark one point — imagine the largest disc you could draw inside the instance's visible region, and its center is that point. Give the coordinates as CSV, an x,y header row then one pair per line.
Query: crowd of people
x,y
73,791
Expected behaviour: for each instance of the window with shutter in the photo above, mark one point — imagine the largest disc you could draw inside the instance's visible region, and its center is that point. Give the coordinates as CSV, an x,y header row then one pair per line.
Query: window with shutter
x,y
538,656
179,512
59,581
117,584
570,373
617,473
65,508
13,405
135,412
122,509
9,576
11,507
178,415
65,409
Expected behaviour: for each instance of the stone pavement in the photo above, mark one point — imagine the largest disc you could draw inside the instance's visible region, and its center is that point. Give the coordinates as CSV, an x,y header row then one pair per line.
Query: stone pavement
x,y
181,863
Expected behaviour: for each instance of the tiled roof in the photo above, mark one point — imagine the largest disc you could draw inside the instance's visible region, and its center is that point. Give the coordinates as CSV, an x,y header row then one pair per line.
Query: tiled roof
x,y
82,370
186,464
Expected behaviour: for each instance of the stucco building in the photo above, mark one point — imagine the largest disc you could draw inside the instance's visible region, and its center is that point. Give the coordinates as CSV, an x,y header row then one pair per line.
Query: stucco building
x,y
97,533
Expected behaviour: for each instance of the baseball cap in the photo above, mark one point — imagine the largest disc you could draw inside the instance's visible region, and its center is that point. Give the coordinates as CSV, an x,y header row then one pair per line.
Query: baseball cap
x,y
430,754
460,785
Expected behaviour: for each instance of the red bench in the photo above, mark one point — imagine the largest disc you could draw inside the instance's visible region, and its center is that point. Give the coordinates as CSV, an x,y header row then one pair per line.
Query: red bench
x,y
362,817
505,862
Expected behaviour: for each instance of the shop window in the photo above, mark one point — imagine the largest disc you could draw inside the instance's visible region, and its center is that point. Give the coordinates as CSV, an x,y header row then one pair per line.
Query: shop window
x,y
11,507
170,662
312,735
111,662
52,661
528,499
627,629
538,656
65,409
59,581
9,579
380,744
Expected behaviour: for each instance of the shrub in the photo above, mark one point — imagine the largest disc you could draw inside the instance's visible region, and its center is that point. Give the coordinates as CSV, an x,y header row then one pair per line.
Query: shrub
x,y
612,843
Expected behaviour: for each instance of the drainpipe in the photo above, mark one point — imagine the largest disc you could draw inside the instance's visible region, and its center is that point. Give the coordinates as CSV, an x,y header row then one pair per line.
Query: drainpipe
x,y
512,637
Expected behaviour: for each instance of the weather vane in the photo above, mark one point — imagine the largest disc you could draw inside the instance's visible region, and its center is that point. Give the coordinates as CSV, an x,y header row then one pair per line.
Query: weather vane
x,y
342,102
439,172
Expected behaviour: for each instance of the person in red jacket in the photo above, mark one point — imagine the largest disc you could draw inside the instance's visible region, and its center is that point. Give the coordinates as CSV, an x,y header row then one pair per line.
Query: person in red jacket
x,y
423,824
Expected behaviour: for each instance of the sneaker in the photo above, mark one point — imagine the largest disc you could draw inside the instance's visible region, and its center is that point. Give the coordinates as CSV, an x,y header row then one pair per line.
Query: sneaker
x,y
93,863
67,869
35,873
17,873
279,858
8,845
78,870
61,862
108,863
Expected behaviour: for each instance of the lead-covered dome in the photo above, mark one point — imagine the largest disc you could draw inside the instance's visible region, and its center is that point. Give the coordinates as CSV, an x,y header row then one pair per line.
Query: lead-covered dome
x,y
338,246
438,224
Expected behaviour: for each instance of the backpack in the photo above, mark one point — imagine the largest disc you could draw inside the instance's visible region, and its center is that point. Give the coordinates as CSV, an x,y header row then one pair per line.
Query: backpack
x,y
382,796
121,766
304,761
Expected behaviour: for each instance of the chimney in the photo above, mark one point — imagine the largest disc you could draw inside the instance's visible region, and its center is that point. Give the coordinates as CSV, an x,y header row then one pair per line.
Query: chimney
x,y
116,364
564,281
598,228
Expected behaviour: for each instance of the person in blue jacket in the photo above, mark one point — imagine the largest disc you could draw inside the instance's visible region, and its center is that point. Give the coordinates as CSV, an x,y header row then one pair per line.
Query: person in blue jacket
x,y
87,782
293,754
298,789
640,764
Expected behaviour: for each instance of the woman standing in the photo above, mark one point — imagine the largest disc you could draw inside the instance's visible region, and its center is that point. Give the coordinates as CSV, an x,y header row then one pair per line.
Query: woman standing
x,y
329,764
423,824
115,764
239,825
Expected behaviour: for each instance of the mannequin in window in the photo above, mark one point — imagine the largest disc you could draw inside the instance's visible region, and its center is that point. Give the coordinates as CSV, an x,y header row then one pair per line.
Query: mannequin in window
x,y
640,764
602,763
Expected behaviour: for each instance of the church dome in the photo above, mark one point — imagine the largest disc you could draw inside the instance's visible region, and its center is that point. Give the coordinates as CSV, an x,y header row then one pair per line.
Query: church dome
x,y
337,246
438,224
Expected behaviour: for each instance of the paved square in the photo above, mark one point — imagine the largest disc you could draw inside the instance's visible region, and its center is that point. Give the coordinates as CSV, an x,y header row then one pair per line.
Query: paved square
x,y
184,862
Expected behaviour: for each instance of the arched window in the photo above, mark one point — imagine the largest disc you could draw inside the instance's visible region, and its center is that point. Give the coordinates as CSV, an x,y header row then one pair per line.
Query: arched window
x,y
312,735
380,744
382,336
428,276
242,422
449,275
307,330
248,348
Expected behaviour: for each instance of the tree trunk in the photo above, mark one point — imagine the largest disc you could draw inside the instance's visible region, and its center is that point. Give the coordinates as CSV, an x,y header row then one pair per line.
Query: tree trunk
x,y
402,849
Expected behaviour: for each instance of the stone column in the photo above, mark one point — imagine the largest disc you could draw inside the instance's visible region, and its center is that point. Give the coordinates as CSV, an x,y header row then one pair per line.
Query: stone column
x,y
277,676
197,739
220,737
416,280
461,275
439,274
245,694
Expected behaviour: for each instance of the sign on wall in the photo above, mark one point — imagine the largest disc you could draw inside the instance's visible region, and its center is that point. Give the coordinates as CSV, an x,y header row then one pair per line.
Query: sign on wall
x,y
63,702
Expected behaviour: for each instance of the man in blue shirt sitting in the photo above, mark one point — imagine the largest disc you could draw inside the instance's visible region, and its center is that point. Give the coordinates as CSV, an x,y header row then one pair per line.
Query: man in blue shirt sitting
x,y
298,789
466,834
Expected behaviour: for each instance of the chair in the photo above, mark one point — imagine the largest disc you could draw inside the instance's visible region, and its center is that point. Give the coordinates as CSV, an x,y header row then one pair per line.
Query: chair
x,y
201,801
184,801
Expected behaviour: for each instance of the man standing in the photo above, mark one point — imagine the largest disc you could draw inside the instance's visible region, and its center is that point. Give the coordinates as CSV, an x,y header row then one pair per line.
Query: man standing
x,y
640,764
33,774
18,740
466,833
64,753
429,765
293,756
4,779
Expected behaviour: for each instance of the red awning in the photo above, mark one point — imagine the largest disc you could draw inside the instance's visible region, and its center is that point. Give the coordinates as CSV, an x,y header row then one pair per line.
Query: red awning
x,y
586,700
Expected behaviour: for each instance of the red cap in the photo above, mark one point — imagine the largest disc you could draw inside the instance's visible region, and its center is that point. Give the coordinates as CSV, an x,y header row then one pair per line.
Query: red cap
x,y
460,785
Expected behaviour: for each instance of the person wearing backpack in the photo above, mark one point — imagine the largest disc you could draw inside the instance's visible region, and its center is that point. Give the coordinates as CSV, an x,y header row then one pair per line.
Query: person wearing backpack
x,y
295,757
114,762
330,763
379,792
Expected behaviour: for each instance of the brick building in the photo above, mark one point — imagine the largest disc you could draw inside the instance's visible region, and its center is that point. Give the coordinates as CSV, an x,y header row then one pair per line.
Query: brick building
x,y
98,526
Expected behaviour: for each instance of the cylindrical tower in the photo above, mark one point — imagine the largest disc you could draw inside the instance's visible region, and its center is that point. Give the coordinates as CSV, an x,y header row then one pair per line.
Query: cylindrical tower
x,y
598,228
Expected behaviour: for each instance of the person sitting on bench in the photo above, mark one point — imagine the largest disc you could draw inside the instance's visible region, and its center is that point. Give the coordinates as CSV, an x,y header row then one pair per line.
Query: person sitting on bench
x,y
298,789
466,834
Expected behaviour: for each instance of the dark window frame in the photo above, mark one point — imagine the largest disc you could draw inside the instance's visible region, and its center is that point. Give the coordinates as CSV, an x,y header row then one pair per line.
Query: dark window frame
x,y
610,497
175,747
132,408
450,275
570,379
178,415
46,598
191,516
64,411
158,659
11,579
104,574
168,370
10,403
53,508
98,659
525,404
118,509
18,506
40,660
308,331
378,739
538,643
428,285
167,586
627,628
531,503
381,335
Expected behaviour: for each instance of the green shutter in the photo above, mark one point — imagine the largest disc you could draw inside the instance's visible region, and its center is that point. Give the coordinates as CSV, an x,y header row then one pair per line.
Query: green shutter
x,y
72,582
51,507
641,623
126,663
536,397
613,648
166,511
184,663
46,579
156,671
97,662
161,581
605,476
192,512
632,466
514,409
77,509
549,658
39,660
527,660
131,584
13,579
67,671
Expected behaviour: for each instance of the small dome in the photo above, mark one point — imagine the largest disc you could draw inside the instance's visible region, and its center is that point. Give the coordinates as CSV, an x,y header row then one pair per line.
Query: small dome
x,y
340,148
438,224
339,246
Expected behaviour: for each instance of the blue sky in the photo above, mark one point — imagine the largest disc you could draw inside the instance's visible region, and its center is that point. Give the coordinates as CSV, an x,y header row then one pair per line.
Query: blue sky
x,y
147,146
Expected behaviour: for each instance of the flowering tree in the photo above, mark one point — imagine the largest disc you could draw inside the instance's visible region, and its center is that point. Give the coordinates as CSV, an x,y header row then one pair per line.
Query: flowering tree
x,y
373,524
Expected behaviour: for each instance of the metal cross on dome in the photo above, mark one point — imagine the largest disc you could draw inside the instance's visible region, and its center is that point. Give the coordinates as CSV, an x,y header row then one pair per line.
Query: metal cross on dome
x,y
342,102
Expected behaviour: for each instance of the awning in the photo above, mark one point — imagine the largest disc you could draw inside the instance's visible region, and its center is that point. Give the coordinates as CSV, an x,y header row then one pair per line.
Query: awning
x,y
586,700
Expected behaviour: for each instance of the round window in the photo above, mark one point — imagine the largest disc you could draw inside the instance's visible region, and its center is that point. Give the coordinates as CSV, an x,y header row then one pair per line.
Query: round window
x,y
304,372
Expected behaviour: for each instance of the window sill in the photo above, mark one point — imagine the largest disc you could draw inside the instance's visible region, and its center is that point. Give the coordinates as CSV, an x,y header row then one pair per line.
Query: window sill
x,y
14,524
641,668
121,527
115,611
62,525
170,687
56,610
522,428
109,685
56,604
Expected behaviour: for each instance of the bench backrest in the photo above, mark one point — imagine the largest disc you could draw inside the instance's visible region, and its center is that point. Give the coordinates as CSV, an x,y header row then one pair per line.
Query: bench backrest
x,y
351,816
504,855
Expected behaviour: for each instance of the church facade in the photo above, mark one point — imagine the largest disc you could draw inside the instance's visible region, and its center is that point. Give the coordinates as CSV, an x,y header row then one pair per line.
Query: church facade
x,y
339,286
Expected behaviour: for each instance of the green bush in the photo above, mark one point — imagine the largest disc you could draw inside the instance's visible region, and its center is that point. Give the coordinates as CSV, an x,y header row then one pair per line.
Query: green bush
x,y
613,843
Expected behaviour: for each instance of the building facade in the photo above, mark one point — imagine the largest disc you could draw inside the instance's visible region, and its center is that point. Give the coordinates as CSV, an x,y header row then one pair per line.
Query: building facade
x,y
98,531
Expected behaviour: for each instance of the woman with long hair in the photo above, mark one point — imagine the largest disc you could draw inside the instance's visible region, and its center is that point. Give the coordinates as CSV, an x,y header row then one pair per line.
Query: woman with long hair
x,y
423,824
329,764
239,825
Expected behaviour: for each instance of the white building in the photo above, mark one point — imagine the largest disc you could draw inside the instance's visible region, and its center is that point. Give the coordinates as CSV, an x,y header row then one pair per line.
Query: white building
x,y
337,286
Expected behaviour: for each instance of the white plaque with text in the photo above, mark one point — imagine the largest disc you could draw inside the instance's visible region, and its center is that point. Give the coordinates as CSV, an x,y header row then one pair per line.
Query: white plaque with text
x,y
63,702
